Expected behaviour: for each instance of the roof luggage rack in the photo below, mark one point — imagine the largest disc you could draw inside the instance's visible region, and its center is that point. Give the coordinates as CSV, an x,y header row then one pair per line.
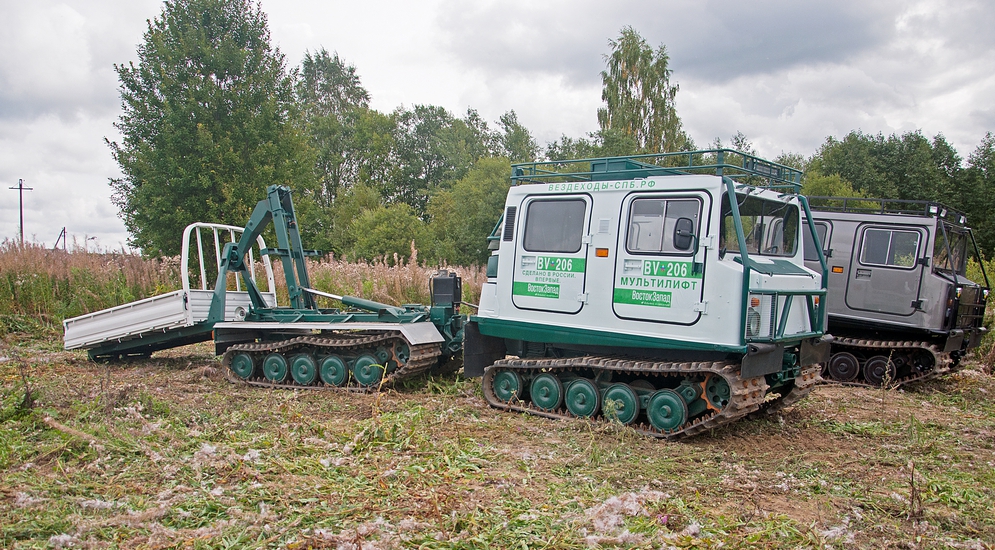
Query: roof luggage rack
x,y
743,167
898,207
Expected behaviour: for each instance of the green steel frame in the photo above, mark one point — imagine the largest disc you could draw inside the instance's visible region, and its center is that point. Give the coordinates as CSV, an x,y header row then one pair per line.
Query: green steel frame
x,y
278,208
816,312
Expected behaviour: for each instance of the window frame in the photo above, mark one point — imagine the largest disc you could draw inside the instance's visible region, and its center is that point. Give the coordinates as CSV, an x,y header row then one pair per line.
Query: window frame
x,y
527,224
725,214
668,198
892,230
822,238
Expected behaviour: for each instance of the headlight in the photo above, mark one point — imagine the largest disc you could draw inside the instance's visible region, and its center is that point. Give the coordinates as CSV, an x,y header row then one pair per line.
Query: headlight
x,y
752,322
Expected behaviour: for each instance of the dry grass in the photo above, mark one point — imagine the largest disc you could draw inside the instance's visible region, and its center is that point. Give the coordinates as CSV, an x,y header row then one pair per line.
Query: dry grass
x,y
397,284
48,286
42,286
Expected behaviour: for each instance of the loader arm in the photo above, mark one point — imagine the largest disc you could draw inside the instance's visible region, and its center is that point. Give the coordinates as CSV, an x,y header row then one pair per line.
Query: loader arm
x,y
278,208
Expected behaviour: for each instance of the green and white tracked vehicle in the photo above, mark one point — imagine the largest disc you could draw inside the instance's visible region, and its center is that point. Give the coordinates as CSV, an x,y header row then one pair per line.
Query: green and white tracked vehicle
x,y
668,292
672,297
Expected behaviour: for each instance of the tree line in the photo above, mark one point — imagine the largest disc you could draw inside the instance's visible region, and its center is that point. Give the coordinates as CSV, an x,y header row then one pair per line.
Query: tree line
x,y
212,114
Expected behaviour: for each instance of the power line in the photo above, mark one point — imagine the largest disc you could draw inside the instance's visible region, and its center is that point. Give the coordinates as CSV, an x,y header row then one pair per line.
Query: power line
x,y
21,189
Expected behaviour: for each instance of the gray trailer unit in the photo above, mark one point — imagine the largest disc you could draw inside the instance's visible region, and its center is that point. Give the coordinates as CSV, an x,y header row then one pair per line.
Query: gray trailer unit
x,y
900,304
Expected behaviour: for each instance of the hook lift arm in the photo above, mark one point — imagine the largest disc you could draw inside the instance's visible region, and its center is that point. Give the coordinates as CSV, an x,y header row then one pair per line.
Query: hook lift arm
x,y
278,208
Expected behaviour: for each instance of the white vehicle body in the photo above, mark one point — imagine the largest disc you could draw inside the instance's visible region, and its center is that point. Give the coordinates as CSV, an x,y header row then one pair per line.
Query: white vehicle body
x,y
619,273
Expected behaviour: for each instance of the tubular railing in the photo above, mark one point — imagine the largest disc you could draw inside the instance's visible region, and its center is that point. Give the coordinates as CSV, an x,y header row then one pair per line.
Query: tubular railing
x,y
719,162
222,234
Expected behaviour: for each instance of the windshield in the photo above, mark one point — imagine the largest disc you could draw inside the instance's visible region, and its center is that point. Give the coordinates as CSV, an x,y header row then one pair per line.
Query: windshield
x,y
770,227
950,251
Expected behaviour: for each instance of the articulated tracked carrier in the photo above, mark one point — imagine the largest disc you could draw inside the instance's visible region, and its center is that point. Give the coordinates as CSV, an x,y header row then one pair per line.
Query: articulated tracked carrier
x,y
667,292
900,304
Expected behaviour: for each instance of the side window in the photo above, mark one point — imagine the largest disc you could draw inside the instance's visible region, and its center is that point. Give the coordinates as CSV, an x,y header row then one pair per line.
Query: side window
x,y
889,247
554,225
663,226
811,249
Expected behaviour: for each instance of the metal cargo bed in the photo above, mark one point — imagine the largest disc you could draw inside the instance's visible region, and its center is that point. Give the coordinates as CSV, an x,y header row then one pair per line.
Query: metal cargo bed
x,y
168,320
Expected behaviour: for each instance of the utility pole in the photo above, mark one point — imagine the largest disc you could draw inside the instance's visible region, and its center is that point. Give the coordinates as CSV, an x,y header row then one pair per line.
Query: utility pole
x,y
21,189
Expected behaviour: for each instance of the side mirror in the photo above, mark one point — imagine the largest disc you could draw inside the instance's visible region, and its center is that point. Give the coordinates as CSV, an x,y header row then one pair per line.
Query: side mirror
x,y
684,234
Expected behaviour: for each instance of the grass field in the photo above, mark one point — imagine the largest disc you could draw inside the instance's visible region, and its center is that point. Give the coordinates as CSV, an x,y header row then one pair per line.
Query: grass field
x,y
166,453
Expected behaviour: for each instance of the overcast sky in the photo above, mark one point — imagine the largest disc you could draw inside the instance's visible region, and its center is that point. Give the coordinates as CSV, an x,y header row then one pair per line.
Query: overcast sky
x,y
785,73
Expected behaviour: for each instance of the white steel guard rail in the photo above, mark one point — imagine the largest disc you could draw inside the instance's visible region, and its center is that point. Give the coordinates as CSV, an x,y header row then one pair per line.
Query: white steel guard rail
x,y
217,230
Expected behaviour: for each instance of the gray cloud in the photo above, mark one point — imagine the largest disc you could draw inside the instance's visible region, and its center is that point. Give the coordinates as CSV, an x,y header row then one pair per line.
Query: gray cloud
x,y
714,41
59,56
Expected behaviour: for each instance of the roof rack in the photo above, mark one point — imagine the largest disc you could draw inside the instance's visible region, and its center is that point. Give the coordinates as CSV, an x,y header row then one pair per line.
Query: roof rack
x,y
745,167
898,207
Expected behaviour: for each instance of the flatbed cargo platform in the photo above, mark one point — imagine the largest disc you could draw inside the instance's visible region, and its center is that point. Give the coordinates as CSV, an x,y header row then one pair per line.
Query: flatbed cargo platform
x,y
168,320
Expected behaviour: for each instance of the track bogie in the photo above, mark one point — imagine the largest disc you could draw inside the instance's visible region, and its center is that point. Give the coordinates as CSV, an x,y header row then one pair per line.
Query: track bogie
x,y
331,361
660,399
877,363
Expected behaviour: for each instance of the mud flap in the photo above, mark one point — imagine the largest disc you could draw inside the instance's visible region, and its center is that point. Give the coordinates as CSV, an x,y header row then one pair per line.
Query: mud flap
x,y
976,336
955,339
762,359
479,351
815,351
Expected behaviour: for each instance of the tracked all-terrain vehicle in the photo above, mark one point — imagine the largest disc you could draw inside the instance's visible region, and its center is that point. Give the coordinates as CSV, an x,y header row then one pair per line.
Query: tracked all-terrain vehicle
x,y
667,292
363,346
901,307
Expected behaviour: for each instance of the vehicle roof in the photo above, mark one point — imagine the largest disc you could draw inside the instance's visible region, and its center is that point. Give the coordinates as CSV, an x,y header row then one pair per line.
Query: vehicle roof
x,y
859,208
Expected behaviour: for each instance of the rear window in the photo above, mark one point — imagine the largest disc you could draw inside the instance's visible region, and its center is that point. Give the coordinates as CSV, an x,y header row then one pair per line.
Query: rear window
x,y
770,227
554,225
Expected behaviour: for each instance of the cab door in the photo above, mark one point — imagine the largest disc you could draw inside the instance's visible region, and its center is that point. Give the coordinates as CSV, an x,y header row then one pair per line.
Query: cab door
x,y
659,271
886,270
551,254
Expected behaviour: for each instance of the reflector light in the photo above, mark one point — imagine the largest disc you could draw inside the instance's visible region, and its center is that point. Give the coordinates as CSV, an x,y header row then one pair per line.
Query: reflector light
x,y
837,269
601,252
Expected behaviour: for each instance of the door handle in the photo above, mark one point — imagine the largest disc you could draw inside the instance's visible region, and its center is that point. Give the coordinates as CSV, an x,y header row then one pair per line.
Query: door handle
x,y
863,273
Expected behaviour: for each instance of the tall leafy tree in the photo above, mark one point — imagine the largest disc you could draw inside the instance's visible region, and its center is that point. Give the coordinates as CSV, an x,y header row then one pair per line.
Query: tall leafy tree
x,y
328,86
389,232
909,166
603,143
348,205
434,149
639,95
979,181
515,141
209,120
332,100
349,138
464,215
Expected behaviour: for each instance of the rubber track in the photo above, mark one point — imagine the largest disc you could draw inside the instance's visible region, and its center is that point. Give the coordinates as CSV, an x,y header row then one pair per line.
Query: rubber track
x,y
804,383
422,358
745,397
942,361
